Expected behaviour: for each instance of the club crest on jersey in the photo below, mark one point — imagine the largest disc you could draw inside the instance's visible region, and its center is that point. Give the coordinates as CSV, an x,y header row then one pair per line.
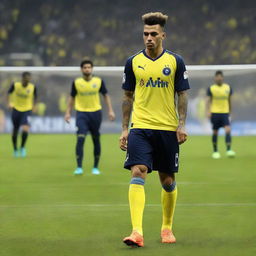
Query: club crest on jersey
x,y
141,82
94,85
166,71
157,83
28,91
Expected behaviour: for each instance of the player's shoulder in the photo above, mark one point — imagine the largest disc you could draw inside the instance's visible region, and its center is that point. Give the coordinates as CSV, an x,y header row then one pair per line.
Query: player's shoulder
x,y
129,59
16,83
78,79
32,85
227,85
178,57
97,78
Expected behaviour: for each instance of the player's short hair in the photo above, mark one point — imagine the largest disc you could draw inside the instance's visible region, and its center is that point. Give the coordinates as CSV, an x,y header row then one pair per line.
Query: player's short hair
x,y
86,62
219,72
154,18
25,74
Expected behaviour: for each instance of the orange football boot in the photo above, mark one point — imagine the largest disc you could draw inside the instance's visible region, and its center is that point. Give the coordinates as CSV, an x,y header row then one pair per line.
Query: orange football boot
x,y
134,240
167,236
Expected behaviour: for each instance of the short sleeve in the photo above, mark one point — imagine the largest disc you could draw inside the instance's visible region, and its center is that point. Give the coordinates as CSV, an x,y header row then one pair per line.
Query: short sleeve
x,y
11,89
103,89
181,76
73,91
35,93
208,92
129,80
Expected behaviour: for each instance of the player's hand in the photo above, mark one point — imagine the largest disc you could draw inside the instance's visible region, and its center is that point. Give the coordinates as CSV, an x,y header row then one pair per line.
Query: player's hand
x,y
34,110
123,140
67,117
181,134
111,115
10,106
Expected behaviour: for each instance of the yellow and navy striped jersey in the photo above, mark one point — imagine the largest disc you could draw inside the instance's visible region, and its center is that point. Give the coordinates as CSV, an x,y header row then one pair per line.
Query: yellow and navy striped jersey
x,y
220,95
22,97
155,83
86,93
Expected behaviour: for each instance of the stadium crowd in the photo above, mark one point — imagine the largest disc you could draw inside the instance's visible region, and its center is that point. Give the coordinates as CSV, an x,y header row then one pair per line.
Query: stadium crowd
x,y
63,32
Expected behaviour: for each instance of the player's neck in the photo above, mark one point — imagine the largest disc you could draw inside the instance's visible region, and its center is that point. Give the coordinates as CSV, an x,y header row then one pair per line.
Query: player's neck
x,y
154,53
24,84
87,78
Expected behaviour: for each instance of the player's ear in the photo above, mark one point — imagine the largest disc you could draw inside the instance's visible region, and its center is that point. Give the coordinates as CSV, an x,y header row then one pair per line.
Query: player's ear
x,y
163,35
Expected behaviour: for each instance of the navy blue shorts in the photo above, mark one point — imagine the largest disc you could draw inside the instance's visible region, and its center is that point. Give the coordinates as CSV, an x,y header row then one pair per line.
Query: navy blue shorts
x,y
20,118
88,122
158,150
219,120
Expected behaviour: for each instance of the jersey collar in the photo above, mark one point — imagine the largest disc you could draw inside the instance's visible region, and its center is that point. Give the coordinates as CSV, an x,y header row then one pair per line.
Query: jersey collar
x,y
144,52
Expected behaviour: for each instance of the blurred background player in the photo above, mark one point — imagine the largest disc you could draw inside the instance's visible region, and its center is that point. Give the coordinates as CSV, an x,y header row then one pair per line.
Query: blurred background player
x,y
152,79
218,106
85,97
21,100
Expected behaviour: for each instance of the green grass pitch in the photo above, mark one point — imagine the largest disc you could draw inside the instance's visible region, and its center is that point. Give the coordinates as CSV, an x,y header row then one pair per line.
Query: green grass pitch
x,y
47,211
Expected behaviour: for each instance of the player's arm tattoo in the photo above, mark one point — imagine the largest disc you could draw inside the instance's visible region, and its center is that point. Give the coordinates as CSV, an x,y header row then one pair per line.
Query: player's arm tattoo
x,y
127,108
182,107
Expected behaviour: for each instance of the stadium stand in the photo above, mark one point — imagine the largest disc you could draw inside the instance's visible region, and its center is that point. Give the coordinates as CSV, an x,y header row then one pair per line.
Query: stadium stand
x,y
62,32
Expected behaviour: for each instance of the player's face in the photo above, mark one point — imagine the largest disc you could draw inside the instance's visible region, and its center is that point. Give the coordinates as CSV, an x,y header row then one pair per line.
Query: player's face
x,y
153,36
87,69
26,79
219,79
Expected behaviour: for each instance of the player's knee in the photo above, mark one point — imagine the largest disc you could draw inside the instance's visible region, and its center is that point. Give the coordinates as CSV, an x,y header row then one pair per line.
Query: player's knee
x,y
139,171
96,137
227,129
25,128
166,178
80,139
215,132
169,187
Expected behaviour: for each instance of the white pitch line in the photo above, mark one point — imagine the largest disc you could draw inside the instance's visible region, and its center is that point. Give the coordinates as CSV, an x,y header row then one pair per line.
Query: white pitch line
x,y
107,184
124,205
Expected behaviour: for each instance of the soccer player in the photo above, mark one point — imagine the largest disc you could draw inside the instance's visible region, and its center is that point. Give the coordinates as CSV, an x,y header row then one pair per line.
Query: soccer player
x,y
218,107
152,79
21,100
85,97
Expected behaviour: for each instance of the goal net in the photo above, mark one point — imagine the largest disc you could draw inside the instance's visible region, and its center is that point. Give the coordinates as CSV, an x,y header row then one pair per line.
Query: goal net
x,y
53,84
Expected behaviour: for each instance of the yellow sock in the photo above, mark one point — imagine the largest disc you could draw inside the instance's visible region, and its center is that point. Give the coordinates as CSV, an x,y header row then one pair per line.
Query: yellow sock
x,y
168,200
137,203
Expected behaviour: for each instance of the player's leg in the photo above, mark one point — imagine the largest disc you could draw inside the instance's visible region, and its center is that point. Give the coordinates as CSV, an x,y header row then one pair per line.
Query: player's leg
x,y
215,120
94,126
168,200
15,131
24,132
137,203
166,160
81,134
24,136
139,161
230,153
215,154
96,153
